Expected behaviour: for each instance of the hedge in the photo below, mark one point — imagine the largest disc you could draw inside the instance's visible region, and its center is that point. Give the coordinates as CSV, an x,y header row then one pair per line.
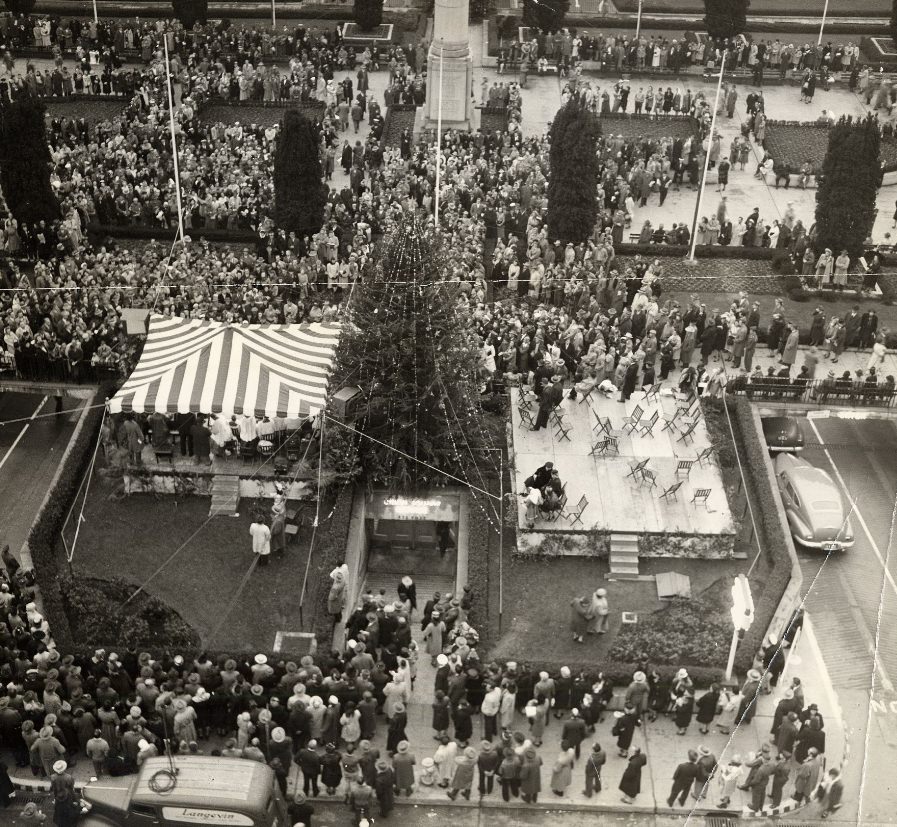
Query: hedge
x,y
45,530
767,586
482,539
329,552
620,674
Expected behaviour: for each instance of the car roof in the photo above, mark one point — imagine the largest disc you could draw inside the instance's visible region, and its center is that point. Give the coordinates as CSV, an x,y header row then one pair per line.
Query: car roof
x,y
812,481
210,781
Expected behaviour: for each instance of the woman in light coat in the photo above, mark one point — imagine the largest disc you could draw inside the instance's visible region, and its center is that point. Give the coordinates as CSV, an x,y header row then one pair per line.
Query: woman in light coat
x,y
842,263
562,772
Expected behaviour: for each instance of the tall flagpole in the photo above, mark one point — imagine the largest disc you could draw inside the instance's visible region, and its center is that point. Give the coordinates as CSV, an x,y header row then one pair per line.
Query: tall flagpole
x,y
694,226
174,143
273,15
439,134
822,26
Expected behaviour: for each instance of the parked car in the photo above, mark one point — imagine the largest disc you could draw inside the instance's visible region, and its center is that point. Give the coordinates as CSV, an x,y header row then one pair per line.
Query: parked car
x,y
783,433
813,503
189,789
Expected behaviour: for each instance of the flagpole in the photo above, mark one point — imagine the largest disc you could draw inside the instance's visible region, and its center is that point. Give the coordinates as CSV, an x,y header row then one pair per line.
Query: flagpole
x,y
174,143
694,226
439,135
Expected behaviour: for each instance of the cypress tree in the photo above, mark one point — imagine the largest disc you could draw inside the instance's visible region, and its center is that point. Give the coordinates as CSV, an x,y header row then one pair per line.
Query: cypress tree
x,y
299,192
725,18
25,161
848,186
573,182
368,14
545,15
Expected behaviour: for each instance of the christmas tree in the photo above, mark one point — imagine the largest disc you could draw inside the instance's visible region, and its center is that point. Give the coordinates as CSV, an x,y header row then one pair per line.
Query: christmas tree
x,y
414,356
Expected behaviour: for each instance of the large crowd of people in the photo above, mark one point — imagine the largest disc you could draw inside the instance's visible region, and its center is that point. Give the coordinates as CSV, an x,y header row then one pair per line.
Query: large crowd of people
x,y
325,717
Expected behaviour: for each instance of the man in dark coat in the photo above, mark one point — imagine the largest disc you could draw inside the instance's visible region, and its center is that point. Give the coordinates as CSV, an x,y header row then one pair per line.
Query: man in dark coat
x,y
683,778
310,763
301,810
596,760
631,782
574,731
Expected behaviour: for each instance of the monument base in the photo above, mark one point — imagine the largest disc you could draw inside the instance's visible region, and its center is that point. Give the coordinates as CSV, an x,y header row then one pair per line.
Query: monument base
x,y
454,72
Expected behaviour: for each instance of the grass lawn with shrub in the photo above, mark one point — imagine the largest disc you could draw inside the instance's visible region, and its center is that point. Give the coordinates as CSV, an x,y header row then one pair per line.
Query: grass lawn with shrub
x,y
537,596
635,126
92,111
799,8
132,537
795,143
219,111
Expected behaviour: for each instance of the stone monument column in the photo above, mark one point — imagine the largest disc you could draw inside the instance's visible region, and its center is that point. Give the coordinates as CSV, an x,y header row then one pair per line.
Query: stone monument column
x,y
450,47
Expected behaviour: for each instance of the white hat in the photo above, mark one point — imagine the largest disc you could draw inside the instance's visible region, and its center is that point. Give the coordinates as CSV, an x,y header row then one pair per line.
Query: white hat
x,y
407,582
543,676
441,660
60,766
261,659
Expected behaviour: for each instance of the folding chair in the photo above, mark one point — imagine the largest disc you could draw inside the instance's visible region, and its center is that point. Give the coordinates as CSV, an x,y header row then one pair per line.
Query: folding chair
x,y
684,467
575,516
701,495
646,427
686,402
551,516
563,429
687,433
648,478
526,418
671,421
637,469
587,394
633,419
707,454
652,392
670,493
606,446
602,425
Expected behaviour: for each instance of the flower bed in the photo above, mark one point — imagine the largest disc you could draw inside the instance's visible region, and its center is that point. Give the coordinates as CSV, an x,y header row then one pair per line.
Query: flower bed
x,y
218,110
648,126
399,116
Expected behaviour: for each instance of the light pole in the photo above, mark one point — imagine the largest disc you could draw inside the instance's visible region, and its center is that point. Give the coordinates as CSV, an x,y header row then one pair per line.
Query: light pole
x,y
174,143
742,617
439,134
638,21
694,224
96,17
273,15
822,25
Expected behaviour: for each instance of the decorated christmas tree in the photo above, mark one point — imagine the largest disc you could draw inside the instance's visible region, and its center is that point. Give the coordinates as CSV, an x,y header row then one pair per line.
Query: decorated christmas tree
x,y
414,356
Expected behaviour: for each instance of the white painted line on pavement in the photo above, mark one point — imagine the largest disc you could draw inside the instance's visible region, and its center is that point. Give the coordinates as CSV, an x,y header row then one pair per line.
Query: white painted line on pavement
x,y
856,511
16,441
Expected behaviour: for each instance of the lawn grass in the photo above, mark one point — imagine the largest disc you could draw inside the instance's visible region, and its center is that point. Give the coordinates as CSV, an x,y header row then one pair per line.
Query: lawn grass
x,y
800,8
93,111
537,595
795,143
132,537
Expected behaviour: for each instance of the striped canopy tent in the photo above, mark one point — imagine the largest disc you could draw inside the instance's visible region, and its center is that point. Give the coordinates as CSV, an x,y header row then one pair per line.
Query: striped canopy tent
x,y
195,366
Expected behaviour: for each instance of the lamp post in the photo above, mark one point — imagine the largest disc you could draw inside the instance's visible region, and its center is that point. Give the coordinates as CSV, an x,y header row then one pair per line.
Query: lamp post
x,y
439,134
96,17
273,15
694,224
822,25
742,617
638,21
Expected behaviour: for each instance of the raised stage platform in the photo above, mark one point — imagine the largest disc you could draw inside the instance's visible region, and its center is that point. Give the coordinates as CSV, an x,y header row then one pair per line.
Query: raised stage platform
x,y
695,520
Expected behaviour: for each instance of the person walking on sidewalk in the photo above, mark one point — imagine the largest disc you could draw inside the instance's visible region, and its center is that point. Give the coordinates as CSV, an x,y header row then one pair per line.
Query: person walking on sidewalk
x,y
562,772
806,778
531,776
600,613
707,705
596,760
780,775
509,774
574,732
683,778
727,778
706,768
834,793
624,729
631,782
462,779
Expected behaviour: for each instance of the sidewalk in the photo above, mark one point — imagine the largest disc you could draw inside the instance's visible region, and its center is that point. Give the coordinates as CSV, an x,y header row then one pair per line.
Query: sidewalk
x,y
664,748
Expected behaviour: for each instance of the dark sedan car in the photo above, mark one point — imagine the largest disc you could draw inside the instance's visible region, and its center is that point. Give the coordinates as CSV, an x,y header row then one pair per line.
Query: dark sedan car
x,y
783,434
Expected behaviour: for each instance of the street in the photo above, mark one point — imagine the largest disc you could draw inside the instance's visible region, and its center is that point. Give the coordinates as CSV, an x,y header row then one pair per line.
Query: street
x,y
30,449
853,603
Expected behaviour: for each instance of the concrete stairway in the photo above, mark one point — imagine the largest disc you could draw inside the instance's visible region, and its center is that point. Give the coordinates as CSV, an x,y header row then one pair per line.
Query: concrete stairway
x,y
624,556
225,496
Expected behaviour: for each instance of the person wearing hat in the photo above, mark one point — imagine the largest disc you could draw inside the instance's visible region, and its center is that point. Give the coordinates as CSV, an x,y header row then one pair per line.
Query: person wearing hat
x,y
487,765
562,771
600,612
384,787
360,798
786,705
806,778
574,732
462,777
638,693
396,729
624,729
61,781
631,781
32,813
408,595
683,778
530,776
706,767
300,809
48,750
403,764
750,690
281,746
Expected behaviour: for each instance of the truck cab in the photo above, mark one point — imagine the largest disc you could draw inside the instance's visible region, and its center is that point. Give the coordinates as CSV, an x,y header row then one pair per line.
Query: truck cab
x,y
188,790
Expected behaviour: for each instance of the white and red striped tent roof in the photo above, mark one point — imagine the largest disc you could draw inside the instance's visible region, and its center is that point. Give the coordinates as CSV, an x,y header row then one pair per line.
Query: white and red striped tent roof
x,y
195,366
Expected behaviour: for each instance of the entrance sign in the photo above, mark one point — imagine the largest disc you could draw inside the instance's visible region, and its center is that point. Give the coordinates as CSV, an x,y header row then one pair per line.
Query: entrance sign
x,y
413,508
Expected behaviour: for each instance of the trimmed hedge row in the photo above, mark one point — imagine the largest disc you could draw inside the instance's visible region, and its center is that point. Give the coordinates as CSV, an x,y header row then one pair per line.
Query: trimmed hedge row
x,y
769,588
482,539
620,674
45,530
329,552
